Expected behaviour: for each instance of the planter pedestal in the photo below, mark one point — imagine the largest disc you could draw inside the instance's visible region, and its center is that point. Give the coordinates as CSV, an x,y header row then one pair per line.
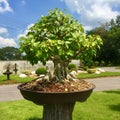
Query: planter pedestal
x,y
57,105
58,111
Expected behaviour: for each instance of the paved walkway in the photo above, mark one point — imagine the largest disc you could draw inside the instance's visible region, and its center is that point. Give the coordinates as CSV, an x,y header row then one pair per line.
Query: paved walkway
x,y
10,92
106,83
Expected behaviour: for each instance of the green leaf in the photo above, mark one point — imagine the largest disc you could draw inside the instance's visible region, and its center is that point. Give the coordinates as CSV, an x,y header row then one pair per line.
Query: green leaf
x,y
58,34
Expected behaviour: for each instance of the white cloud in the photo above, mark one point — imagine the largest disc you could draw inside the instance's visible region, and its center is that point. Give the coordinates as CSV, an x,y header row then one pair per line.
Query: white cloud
x,y
7,42
26,31
3,30
4,6
87,28
93,12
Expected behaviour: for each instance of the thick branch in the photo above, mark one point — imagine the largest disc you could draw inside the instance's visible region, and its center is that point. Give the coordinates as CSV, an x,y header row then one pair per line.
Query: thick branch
x,y
60,68
78,52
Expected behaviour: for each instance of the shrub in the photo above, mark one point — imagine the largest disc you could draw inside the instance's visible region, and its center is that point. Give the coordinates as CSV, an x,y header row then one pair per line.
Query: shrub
x,y
96,63
41,71
26,72
85,67
102,63
92,67
91,70
109,64
72,67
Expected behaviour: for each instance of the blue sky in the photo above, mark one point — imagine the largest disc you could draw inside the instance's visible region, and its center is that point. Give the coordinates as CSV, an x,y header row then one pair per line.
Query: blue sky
x,y
17,15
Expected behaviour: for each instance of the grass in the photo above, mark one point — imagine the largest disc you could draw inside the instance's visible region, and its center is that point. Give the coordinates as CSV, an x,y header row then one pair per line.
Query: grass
x,y
13,79
104,74
99,106
20,110
17,79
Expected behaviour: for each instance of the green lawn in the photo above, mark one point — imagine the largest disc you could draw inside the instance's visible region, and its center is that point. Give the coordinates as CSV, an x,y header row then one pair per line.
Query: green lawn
x,y
99,106
17,79
13,79
104,74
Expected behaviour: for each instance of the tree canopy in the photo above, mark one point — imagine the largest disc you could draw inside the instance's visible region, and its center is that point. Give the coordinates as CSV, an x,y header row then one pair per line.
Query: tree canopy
x,y
110,33
60,38
10,53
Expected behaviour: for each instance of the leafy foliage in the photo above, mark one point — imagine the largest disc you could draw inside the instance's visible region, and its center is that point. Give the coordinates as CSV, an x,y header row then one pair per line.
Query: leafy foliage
x,y
60,38
110,33
10,53
72,66
26,72
41,71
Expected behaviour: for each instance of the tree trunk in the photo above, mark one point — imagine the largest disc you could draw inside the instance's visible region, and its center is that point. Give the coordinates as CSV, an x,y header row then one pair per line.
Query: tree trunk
x,y
60,69
58,111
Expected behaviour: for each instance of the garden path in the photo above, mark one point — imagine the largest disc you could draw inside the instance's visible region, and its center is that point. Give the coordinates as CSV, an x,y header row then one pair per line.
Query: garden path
x,y
10,92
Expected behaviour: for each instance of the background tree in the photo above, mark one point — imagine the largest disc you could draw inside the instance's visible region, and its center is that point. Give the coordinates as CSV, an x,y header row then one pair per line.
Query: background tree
x,y
110,33
118,21
114,44
10,53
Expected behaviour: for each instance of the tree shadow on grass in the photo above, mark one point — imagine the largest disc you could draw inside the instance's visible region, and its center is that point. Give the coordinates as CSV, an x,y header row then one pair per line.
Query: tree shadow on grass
x,y
113,91
115,107
34,118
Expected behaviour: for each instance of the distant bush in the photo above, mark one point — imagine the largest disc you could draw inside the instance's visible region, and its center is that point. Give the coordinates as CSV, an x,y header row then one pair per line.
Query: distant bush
x,y
92,67
26,72
102,63
96,63
72,67
85,67
41,71
109,64
91,70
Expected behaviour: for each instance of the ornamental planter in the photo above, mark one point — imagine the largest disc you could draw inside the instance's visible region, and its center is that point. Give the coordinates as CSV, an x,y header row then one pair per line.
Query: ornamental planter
x,y
42,98
57,105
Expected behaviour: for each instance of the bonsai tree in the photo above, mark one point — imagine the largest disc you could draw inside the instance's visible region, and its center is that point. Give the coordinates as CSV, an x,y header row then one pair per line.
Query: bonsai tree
x,y
8,67
60,38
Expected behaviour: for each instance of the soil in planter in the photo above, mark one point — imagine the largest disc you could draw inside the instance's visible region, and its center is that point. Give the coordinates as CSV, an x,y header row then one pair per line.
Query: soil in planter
x,y
63,86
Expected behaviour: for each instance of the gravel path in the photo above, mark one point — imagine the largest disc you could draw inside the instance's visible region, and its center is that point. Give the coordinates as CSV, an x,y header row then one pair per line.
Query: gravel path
x,y
10,92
